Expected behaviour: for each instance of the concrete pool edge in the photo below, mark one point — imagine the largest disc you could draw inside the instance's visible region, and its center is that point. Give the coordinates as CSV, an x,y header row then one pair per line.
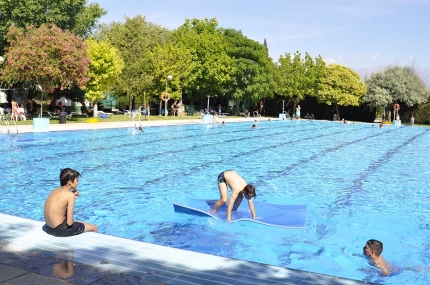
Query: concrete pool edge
x,y
127,124
133,259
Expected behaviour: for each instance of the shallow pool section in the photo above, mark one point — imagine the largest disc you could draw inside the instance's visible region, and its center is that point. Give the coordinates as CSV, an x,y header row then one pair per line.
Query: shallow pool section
x,y
358,181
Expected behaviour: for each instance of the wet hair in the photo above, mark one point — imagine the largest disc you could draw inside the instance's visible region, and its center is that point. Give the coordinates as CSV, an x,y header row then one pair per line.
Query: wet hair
x,y
68,174
250,190
376,246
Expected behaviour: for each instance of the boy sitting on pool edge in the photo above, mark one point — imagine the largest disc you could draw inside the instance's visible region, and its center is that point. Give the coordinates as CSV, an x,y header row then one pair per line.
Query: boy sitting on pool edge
x,y
239,189
59,207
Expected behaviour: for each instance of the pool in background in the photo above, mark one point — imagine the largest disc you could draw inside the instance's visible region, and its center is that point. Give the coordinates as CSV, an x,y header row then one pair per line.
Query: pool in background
x,y
359,183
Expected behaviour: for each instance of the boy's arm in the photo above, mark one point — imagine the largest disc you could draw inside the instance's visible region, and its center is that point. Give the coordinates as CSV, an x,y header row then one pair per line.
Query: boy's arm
x,y
251,208
70,209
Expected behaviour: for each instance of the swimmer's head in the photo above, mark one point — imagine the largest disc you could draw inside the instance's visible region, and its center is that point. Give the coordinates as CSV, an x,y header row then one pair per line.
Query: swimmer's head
x,y
249,190
373,246
68,174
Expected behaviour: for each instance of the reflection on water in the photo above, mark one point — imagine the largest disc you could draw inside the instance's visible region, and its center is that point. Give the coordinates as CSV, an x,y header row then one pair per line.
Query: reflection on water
x,y
65,269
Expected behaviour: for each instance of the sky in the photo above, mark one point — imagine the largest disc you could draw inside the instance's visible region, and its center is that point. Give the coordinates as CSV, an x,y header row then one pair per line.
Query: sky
x,y
358,34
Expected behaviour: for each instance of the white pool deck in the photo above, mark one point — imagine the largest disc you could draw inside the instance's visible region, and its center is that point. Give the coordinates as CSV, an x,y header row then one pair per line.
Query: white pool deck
x,y
30,256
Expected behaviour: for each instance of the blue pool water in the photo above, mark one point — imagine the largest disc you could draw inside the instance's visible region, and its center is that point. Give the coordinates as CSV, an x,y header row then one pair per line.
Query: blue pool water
x,y
358,182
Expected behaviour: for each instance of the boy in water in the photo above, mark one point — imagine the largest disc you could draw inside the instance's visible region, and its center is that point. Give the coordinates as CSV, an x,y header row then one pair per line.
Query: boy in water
x,y
239,189
373,249
59,207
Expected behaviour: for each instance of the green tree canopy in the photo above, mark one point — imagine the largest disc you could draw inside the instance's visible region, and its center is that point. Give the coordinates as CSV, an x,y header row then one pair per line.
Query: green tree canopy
x,y
254,72
169,59
47,56
73,15
341,85
395,84
299,77
135,39
105,67
213,66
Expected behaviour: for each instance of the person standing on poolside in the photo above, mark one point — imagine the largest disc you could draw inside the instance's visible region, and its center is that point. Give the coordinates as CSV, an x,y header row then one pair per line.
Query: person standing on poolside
x,y
298,112
59,207
14,105
412,121
373,249
239,188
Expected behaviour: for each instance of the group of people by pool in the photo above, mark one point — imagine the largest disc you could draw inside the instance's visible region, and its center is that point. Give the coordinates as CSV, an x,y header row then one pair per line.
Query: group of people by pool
x,y
59,209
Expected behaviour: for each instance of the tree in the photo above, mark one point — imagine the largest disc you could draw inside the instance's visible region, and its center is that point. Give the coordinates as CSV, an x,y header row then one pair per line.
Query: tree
x,y
169,59
213,66
341,85
105,67
395,84
299,77
46,56
254,72
73,15
134,39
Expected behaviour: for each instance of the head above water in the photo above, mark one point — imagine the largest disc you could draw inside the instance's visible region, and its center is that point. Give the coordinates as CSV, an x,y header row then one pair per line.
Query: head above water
x,y
68,174
250,191
374,245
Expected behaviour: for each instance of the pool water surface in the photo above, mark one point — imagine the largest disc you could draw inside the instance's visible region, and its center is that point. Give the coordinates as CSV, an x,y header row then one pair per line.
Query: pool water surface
x,y
358,182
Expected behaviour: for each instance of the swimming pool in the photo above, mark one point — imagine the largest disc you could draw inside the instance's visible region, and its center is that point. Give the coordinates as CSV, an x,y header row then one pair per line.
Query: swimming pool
x,y
359,183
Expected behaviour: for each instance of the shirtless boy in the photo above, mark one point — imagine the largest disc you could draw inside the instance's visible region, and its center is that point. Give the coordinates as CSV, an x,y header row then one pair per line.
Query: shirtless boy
x,y
239,189
373,249
59,207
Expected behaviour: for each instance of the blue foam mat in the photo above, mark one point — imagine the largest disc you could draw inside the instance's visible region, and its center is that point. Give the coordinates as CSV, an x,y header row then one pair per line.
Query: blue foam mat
x,y
284,216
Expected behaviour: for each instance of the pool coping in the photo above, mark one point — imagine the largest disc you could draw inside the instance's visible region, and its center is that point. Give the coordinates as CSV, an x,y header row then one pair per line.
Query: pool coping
x,y
28,254
107,257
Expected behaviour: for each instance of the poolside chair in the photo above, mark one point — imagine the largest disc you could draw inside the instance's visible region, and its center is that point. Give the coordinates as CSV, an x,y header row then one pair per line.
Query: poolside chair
x,y
52,114
129,113
117,111
105,115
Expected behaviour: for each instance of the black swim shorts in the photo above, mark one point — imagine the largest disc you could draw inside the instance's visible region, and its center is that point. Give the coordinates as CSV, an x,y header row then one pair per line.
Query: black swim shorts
x,y
221,178
64,230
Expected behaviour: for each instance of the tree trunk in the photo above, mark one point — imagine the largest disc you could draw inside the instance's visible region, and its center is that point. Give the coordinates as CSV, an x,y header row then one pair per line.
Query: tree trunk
x,y
95,110
238,107
130,102
337,112
84,107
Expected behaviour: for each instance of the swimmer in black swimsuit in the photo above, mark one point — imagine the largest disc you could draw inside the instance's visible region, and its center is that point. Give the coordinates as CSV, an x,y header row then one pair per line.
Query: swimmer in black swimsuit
x,y
239,188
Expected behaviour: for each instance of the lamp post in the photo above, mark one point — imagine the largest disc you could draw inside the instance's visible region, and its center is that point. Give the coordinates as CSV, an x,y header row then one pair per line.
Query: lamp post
x,y
38,87
1,63
208,112
283,101
169,78
1,95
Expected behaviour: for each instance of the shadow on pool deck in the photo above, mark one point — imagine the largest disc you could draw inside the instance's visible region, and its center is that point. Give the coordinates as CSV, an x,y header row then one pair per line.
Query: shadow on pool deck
x,y
30,256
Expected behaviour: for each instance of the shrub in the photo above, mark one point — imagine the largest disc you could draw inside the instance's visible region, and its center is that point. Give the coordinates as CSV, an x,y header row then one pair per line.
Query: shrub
x,y
422,115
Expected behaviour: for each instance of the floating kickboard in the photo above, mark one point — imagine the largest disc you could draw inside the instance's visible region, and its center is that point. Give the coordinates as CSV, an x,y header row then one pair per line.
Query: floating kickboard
x,y
284,216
